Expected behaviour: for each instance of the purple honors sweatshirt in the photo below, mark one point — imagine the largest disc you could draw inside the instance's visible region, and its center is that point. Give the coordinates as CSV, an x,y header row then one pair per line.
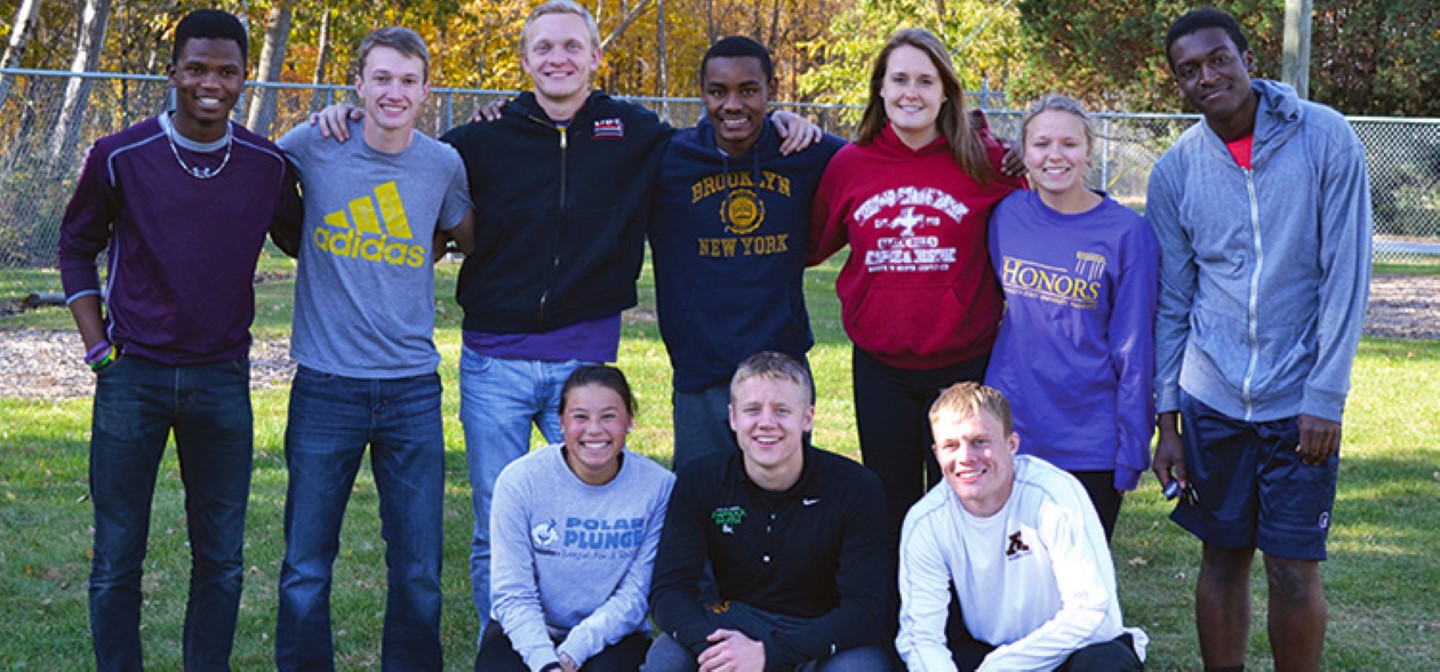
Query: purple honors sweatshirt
x,y
182,250
1076,350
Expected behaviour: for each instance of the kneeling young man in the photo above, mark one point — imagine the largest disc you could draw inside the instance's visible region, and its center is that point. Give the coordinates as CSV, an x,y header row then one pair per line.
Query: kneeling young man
x,y
1023,548
795,536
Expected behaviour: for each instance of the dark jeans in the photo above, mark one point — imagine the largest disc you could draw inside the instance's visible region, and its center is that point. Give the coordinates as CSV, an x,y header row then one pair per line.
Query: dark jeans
x,y
332,419
137,404
497,654
667,655
892,409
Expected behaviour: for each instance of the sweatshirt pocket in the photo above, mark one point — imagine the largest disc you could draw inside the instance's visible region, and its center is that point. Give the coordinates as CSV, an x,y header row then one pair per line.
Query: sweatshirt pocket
x,y
907,322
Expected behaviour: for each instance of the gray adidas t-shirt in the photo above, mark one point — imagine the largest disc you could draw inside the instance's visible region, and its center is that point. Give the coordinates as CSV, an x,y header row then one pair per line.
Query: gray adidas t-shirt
x,y
365,289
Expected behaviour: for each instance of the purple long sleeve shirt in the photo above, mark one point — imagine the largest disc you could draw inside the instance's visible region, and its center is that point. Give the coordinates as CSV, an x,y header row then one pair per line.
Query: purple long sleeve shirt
x,y
1076,350
182,249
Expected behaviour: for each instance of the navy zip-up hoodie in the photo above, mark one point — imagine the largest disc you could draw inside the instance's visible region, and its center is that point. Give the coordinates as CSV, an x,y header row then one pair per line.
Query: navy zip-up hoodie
x,y
728,241
560,213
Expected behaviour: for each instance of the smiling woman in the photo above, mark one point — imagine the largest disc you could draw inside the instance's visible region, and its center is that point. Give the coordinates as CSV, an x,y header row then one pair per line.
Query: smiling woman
x,y
574,529
1075,352
911,197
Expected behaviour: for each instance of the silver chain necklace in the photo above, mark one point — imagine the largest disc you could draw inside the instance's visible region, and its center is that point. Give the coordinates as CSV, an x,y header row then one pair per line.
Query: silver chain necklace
x,y
199,172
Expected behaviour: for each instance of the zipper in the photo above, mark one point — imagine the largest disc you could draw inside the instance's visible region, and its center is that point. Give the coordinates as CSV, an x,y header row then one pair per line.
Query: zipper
x,y
555,264
1254,306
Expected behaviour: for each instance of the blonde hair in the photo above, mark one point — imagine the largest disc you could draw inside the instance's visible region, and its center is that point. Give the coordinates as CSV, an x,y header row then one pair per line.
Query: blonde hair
x,y
560,7
771,365
1057,103
953,119
965,399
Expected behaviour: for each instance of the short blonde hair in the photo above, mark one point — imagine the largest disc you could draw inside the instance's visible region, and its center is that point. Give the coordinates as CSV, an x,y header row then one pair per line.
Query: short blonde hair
x,y
774,366
965,399
560,7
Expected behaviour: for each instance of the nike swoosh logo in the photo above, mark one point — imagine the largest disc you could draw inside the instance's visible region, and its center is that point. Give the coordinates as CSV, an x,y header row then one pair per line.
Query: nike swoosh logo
x,y
810,502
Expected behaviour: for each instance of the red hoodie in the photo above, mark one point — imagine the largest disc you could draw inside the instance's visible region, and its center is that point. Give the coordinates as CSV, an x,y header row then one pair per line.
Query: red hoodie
x,y
917,291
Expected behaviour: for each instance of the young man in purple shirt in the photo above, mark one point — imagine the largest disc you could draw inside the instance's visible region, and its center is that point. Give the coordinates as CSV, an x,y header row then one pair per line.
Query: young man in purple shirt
x,y
183,202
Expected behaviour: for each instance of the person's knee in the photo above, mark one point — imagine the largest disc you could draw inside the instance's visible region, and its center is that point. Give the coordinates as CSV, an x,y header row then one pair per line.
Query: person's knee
x,y
667,655
1293,581
873,658
1116,655
1227,565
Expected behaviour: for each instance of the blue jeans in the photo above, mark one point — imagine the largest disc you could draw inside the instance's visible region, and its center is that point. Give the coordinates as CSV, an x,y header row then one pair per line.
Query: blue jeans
x,y
500,399
137,404
702,424
332,419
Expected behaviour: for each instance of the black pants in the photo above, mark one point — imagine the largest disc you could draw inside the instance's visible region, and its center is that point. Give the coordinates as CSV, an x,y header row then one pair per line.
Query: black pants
x,y
497,654
1100,485
892,409
1116,655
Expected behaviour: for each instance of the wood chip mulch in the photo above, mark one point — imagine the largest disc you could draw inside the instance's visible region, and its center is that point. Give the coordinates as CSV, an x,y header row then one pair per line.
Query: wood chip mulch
x,y
46,364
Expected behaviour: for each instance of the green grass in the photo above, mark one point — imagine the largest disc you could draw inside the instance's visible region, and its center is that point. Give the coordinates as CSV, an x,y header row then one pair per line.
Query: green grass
x,y
1417,266
1382,579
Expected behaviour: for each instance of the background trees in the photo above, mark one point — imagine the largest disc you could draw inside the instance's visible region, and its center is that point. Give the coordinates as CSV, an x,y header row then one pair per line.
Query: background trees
x,y
1368,56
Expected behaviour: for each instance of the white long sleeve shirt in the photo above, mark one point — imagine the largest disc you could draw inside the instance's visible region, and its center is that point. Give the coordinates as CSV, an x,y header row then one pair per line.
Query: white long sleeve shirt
x,y
1034,580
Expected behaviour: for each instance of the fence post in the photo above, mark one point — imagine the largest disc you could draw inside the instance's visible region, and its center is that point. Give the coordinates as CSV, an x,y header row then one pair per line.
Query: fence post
x,y
1105,156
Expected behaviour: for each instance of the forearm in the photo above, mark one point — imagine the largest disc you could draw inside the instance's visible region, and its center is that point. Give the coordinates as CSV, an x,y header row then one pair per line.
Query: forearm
x,y
1346,230
515,593
620,615
845,627
924,604
1177,278
88,319
1047,647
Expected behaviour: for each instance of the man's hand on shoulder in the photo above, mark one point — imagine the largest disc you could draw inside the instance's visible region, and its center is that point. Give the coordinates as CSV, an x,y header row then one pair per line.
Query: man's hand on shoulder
x,y
491,112
333,120
1319,439
798,131
732,650
1013,164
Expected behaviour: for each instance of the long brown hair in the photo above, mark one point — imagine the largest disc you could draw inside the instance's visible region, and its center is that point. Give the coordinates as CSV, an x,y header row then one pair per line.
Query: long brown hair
x,y
953,120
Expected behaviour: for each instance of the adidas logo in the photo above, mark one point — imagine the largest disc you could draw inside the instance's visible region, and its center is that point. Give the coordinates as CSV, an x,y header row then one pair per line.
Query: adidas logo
x,y
369,239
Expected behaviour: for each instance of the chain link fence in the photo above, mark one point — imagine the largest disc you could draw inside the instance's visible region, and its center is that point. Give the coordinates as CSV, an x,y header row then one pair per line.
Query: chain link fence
x,y
48,120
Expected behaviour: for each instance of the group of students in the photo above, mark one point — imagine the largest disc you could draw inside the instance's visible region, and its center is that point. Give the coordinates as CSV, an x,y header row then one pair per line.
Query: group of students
x,y
775,555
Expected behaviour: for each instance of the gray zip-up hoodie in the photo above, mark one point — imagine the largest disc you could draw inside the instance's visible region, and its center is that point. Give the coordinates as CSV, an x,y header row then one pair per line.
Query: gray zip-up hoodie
x,y
1264,273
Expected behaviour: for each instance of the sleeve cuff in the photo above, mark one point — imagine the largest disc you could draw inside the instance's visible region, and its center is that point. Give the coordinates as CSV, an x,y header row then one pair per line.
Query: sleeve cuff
x,y
1126,479
1323,404
1167,398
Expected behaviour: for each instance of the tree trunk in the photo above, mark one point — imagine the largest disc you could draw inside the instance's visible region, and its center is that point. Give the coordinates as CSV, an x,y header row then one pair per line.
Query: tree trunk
x,y
629,18
95,18
480,64
318,99
19,38
774,28
272,64
662,61
710,30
